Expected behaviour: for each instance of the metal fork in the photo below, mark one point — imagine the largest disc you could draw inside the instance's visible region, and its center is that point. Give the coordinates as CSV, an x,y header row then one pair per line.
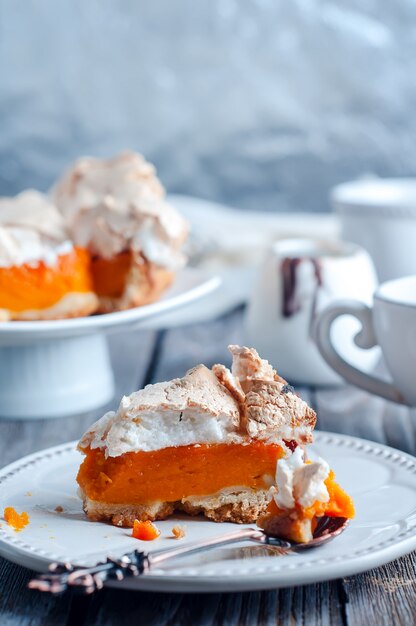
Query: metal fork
x,y
61,576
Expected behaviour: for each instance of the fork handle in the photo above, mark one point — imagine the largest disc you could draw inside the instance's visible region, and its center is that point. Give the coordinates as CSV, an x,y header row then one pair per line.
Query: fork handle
x,y
61,576
245,534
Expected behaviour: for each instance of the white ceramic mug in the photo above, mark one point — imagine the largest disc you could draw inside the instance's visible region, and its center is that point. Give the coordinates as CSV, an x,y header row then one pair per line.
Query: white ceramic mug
x,y
298,278
380,215
389,323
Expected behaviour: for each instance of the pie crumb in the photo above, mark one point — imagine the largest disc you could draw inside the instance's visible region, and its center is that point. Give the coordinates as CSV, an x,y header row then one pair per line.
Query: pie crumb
x,y
59,509
14,519
145,531
179,532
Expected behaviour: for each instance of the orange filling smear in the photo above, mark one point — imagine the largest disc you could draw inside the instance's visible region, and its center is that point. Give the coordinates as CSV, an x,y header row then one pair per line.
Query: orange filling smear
x,y
171,474
14,519
340,504
26,287
109,275
145,531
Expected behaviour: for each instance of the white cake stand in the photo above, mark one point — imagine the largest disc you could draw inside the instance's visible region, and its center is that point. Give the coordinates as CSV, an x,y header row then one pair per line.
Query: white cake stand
x,y
62,367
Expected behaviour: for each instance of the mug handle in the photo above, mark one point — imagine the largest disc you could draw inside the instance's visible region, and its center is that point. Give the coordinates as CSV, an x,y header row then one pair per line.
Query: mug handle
x,y
365,338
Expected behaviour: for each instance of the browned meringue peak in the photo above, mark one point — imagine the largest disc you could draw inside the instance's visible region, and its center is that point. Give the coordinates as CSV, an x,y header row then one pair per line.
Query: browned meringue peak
x,y
270,408
114,204
198,390
267,403
248,366
31,230
205,406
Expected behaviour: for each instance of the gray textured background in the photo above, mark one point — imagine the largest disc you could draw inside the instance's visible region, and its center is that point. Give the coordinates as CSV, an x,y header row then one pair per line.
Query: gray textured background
x,y
259,103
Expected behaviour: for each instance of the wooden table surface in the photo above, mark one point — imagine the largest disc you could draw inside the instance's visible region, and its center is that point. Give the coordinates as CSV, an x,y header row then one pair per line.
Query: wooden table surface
x,y
384,596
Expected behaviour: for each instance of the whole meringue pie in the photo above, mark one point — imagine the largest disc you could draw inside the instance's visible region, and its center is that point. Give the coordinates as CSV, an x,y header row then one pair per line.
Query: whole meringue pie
x,y
116,208
42,274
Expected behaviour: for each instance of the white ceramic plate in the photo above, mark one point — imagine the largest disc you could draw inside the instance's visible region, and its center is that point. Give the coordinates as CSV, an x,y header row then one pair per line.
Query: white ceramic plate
x,y
380,479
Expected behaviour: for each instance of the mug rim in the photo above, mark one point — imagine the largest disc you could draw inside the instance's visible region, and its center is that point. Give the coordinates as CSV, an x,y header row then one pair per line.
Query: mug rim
x,y
331,249
394,300
375,195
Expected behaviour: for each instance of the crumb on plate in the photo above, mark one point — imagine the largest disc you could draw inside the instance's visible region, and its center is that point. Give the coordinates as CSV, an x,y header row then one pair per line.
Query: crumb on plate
x,y
179,532
14,519
59,509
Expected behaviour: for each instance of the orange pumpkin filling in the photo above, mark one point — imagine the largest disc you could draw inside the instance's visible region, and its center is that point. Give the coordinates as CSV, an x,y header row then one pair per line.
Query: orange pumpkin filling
x,y
109,275
145,531
40,286
171,474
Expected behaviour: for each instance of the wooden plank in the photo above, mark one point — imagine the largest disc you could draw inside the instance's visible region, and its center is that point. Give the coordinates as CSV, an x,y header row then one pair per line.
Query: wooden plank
x,y
400,427
314,605
352,412
183,348
383,596
152,609
130,353
21,607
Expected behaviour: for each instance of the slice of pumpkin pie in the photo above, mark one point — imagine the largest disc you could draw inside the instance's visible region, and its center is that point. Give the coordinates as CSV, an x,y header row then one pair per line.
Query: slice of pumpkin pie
x,y
206,443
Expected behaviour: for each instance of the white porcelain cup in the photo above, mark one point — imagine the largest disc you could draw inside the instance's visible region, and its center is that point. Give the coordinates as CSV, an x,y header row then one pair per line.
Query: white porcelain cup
x,y
297,280
380,215
389,323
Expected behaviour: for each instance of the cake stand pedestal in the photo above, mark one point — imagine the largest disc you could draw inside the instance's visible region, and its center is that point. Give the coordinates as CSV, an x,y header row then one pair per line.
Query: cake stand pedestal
x,y
55,377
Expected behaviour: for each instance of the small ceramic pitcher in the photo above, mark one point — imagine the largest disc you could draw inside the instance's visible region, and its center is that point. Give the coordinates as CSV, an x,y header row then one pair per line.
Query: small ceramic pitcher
x,y
298,279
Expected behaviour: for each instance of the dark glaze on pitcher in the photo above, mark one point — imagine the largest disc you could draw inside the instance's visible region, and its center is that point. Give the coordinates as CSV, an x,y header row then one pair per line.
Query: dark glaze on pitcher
x,y
290,303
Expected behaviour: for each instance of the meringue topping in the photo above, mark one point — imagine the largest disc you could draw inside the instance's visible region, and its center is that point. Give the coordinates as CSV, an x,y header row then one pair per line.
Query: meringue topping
x,y
118,204
300,482
31,230
206,407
